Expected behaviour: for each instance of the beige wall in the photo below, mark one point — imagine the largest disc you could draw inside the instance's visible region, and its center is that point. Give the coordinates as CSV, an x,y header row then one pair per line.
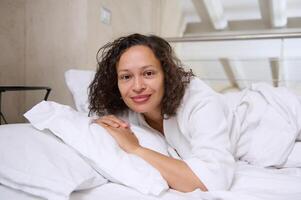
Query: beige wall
x,y
44,38
12,59
56,40
172,23
128,16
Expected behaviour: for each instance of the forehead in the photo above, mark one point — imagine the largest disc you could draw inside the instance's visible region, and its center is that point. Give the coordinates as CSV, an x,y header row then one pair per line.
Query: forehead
x,y
137,56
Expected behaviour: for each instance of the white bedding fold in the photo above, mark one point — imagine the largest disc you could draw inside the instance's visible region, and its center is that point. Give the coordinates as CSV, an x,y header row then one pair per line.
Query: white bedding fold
x,y
98,147
250,183
38,163
269,124
294,159
269,119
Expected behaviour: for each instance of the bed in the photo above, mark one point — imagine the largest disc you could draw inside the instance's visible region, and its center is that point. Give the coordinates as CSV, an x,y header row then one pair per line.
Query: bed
x,y
250,183
40,161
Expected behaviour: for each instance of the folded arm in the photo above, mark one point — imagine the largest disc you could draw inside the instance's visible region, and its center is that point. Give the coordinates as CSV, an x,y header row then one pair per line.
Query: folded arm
x,y
176,172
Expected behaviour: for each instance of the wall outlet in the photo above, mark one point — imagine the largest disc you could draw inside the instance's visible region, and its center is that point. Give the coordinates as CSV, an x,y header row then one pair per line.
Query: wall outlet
x,y
105,15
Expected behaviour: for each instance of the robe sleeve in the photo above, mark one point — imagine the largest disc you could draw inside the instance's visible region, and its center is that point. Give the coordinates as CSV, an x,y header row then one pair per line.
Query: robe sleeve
x,y
205,118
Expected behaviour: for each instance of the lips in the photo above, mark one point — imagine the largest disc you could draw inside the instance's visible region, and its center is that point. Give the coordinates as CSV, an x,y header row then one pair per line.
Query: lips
x,y
141,98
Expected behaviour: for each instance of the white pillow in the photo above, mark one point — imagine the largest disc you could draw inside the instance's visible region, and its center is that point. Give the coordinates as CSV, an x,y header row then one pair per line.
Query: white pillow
x,y
78,82
99,148
38,163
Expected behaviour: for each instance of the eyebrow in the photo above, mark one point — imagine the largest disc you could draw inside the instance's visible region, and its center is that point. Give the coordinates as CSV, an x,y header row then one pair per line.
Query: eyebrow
x,y
143,67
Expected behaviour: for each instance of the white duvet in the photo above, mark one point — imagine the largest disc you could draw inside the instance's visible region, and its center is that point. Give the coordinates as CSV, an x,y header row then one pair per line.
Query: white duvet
x,y
266,125
250,183
266,143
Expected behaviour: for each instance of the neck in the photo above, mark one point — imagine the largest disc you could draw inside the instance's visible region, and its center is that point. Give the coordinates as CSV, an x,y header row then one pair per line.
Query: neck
x,y
155,120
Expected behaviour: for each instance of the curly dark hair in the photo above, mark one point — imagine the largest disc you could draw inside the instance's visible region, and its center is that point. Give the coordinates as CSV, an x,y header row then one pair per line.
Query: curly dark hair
x,y
104,95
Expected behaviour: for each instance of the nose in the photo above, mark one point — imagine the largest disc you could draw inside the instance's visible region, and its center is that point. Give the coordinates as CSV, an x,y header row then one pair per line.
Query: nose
x,y
139,85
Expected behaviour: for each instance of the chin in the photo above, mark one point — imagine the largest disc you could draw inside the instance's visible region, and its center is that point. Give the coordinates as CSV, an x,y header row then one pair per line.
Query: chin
x,y
140,109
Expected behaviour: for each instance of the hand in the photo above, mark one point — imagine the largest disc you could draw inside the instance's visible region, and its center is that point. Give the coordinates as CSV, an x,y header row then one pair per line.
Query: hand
x,y
111,120
123,136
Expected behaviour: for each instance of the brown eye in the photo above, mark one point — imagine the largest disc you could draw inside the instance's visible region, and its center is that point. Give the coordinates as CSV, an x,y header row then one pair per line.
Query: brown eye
x,y
125,77
149,74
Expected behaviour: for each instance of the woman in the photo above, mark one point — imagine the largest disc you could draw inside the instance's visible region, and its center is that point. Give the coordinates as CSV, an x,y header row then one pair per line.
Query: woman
x,y
140,81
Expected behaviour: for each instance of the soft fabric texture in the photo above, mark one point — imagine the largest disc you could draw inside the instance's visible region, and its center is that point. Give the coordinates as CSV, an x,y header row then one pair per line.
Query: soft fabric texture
x,y
38,163
199,135
250,183
294,159
78,82
216,171
259,125
99,148
267,123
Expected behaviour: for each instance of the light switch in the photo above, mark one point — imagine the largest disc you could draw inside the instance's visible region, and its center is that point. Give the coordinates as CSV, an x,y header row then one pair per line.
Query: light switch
x,y
105,15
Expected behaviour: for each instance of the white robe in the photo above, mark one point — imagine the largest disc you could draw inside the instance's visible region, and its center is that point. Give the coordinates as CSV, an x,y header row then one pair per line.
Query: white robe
x,y
259,125
199,135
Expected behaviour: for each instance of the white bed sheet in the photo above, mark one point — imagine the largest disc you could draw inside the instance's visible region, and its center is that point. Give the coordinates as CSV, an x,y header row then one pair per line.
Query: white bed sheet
x,y
250,183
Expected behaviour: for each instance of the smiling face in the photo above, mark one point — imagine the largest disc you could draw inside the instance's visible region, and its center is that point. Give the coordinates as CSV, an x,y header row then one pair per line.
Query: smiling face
x,y
141,80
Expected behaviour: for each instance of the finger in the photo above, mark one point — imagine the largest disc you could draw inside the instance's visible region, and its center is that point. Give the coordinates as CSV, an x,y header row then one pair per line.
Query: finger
x,y
115,122
107,122
105,126
118,121
110,122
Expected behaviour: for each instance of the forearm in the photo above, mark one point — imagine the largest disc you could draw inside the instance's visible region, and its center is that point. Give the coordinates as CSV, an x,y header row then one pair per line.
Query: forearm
x,y
176,172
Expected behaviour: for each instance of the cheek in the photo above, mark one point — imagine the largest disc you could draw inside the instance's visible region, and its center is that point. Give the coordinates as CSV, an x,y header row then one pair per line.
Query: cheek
x,y
162,91
161,84
122,89
160,88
